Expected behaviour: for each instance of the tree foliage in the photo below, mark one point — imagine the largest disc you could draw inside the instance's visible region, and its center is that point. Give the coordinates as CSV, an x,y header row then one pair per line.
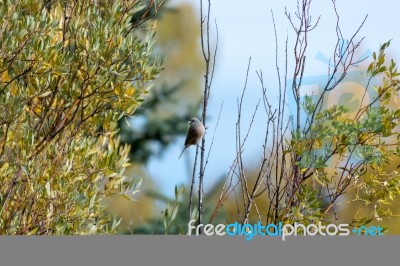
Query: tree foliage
x,y
69,70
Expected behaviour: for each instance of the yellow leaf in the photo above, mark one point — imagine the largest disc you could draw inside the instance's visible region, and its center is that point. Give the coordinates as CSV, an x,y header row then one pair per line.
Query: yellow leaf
x,y
317,144
130,90
5,77
13,88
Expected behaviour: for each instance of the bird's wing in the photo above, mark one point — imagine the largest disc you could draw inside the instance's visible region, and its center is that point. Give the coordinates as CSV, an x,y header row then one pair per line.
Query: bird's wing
x,y
190,137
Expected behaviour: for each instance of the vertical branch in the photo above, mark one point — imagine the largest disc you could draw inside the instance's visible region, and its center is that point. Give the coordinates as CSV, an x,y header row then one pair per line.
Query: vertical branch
x,y
301,30
192,184
209,59
278,132
239,145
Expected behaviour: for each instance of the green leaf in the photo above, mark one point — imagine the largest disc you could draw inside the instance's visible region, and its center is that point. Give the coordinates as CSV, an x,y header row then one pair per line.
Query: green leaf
x,y
174,213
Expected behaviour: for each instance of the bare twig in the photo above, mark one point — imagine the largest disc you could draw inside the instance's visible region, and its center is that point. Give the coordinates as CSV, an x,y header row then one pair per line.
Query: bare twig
x,y
209,75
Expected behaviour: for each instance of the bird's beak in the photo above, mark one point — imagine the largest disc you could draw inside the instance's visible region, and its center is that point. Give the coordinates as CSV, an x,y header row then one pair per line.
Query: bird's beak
x,y
188,122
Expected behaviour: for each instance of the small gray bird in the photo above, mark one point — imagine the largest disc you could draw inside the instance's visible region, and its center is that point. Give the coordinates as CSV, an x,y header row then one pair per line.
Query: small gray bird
x,y
195,133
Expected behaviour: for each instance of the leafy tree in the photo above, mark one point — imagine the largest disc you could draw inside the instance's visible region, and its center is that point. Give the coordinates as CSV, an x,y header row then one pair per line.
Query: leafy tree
x,y
69,70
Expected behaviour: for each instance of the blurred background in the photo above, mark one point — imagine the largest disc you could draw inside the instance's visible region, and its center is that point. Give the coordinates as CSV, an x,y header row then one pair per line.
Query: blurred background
x,y
157,131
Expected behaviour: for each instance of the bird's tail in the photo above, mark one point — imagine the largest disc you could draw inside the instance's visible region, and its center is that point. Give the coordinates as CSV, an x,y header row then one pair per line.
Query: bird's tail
x,y
182,153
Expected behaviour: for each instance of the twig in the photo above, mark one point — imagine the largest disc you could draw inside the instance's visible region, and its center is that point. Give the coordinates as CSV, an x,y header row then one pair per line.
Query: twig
x,y
209,75
192,184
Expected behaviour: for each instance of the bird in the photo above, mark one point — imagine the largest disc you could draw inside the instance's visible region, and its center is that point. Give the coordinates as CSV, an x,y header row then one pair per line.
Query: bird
x,y
195,133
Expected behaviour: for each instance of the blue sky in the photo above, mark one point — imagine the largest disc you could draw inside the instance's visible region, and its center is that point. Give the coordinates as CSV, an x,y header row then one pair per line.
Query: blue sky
x,y
246,30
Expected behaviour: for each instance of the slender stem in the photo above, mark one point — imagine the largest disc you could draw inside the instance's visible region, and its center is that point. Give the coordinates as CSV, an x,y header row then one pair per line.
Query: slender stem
x,y
192,184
